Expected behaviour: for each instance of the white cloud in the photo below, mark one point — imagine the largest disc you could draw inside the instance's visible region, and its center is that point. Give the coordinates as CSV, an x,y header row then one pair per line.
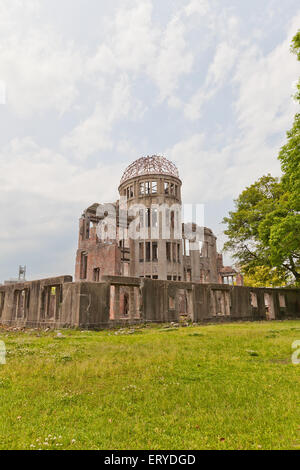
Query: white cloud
x,y
201,7
94,134
136,45
39,68
218,71
193,108
264,112
222,64
210,174
173,59
265,106
42,197
27,167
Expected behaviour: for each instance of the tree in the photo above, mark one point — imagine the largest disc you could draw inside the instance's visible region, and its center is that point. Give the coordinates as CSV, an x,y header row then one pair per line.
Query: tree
x,y
264,276
264,229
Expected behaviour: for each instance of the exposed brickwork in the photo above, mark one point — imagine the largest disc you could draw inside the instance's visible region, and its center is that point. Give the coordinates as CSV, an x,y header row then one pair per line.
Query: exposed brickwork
x,y
152,183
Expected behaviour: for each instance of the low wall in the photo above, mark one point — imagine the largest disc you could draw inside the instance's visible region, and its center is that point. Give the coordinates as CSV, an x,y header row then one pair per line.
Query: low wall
x,y
52,302
116,301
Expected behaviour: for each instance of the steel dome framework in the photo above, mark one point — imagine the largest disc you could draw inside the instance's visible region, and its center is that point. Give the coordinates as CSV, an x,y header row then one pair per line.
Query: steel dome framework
x,y
154,165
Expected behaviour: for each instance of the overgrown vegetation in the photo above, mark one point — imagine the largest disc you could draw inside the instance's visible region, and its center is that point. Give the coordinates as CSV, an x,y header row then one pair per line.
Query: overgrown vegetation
x,y
205,387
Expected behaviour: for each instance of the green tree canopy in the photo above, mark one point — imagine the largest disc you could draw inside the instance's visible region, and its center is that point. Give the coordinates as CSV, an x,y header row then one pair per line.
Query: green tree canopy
x,y
264,229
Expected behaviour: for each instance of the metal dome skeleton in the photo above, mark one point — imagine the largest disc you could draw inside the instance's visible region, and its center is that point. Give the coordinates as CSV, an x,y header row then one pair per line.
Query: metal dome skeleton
x,y
154,165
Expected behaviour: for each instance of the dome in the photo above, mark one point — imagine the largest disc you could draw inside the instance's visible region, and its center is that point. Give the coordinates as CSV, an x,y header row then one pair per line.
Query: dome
x,y
154,165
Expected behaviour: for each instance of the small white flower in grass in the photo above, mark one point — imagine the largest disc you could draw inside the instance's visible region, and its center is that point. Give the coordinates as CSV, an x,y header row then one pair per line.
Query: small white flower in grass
x,y
73,441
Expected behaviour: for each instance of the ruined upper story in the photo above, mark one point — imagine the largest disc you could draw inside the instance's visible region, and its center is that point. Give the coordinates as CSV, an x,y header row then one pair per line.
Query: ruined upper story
x,y
142,234
151,180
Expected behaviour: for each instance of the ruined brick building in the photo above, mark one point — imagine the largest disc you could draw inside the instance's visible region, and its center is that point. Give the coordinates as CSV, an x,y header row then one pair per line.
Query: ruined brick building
x,y
141,235
137,263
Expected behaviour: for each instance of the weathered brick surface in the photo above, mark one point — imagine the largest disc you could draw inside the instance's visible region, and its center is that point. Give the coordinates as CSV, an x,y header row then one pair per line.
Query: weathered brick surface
x,y
143,184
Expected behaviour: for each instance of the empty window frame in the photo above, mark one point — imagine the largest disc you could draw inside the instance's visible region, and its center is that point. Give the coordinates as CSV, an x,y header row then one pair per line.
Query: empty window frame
x,y
166,186
141,252
148,252
172,303
282,301
129,192
172,219
168,251
167,214
51,300
148,218
21,301
148,187
253,298
83,267
96,274
87,228
187,247
154,187
154,251
154,218
142,189
174,252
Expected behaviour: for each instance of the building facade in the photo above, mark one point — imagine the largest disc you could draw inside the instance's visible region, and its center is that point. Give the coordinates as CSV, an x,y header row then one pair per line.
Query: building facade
x,y
141,235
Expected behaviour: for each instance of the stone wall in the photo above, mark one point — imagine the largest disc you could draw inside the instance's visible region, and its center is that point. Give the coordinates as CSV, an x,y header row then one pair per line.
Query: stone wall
x,y
58,303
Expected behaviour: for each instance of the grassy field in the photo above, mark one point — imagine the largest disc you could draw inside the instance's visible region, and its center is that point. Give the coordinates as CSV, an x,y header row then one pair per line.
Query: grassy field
x,y
205,387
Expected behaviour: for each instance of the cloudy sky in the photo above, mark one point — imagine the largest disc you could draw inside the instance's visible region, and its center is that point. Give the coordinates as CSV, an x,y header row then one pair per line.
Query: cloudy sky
x,y
88,86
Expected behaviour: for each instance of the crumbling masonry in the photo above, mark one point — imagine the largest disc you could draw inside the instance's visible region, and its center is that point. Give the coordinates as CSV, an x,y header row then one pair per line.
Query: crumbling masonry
x,y
164,248
136,263
59,303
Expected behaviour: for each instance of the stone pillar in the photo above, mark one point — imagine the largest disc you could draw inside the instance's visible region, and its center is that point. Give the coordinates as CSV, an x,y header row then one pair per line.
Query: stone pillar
x,y
114,302
131,303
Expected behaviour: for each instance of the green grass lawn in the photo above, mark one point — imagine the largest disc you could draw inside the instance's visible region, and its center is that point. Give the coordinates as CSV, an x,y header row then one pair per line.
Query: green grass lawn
x,y
206,387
